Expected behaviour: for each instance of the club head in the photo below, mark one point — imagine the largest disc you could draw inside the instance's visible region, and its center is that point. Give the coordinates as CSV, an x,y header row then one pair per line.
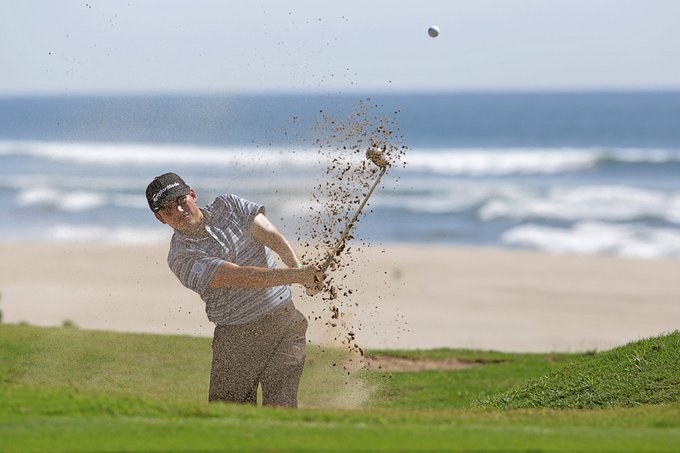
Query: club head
x,y
377,156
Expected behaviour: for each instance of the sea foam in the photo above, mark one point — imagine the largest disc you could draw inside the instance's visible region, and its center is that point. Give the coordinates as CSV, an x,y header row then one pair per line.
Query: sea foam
x,y
610,203
126,154
452,161
599,238
107,235
501,162
65,201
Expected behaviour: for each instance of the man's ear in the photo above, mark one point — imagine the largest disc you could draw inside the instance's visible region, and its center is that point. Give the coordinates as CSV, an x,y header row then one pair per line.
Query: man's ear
x,y
160,219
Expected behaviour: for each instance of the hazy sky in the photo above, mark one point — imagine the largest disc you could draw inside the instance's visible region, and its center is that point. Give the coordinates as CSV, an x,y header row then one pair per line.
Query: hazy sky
x,y
207,46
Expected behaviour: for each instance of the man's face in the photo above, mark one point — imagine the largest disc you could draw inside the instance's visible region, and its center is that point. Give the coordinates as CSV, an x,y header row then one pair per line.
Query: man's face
x,y
182,213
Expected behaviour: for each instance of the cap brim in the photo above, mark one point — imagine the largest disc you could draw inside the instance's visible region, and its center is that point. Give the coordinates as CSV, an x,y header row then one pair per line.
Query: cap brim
x,y
171,195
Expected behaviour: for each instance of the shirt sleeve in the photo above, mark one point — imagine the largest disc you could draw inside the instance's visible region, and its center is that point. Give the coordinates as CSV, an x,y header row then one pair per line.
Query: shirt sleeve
x,y
194,269
245,210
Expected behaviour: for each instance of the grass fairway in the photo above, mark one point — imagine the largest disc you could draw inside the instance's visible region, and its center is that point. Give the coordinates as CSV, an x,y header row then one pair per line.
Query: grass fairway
x,y
64,389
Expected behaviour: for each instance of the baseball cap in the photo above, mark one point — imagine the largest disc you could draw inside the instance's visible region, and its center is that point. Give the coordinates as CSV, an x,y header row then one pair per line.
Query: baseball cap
x,y
165,188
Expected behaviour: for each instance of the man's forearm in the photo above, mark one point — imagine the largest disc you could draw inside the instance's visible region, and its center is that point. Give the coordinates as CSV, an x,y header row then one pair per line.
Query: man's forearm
x,y
230,275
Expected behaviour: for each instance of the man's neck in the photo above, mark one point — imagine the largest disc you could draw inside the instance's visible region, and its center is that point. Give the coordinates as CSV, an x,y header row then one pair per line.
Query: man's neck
x,y
198,230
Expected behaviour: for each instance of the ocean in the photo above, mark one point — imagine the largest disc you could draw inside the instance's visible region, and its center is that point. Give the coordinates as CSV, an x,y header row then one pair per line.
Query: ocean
x,y
592,173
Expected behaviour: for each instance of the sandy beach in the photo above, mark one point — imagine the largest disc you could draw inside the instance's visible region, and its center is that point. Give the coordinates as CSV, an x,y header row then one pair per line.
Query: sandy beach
x,y
404,296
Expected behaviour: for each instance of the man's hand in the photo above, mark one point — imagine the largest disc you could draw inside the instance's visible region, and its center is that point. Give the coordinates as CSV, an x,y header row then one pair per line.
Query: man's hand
x,y
313,279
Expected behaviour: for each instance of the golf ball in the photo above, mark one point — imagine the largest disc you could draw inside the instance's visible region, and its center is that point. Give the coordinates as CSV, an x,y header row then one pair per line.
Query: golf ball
x,y
433,31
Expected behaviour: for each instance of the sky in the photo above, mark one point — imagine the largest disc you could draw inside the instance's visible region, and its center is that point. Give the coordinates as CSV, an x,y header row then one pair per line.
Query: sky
x,y
67,47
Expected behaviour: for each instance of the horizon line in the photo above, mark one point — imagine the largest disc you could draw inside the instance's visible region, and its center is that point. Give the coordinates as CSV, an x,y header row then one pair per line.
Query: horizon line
x,y
338,93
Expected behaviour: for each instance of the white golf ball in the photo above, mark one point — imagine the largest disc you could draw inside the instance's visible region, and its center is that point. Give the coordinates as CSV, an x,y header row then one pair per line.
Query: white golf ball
x,y
433,31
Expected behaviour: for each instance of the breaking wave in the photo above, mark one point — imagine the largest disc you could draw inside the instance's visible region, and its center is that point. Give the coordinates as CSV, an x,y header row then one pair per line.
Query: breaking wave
x,y
599,238
471,162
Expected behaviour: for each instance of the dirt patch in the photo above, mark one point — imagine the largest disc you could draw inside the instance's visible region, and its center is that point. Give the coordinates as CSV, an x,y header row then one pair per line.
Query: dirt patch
x,y
387,363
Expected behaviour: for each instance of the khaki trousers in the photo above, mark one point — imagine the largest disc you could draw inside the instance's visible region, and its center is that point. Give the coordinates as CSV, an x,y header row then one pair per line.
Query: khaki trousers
x,y
269,351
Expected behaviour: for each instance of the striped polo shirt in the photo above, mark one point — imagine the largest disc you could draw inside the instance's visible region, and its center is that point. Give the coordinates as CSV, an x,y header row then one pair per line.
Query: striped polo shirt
x,y
228,222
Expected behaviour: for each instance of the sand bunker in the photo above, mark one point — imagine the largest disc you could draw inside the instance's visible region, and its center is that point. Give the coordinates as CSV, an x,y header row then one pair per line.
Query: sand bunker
x,y
390,364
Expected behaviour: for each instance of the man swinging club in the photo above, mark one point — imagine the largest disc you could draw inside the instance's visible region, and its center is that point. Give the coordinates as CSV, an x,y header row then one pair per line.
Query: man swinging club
x,y
222,252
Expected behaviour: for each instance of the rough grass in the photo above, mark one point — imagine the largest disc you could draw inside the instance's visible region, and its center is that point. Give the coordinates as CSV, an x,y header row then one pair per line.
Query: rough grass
x,y
641,372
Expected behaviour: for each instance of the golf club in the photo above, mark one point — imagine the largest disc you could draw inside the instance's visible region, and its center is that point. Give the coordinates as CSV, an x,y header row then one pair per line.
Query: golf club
x,y
377,156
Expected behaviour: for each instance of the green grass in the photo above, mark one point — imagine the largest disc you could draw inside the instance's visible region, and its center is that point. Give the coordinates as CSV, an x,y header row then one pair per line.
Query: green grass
x,y
460,389
642,372
162,367
65,389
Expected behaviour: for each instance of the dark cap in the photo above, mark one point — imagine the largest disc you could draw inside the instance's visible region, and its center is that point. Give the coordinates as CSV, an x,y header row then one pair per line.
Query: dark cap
x,y
163,189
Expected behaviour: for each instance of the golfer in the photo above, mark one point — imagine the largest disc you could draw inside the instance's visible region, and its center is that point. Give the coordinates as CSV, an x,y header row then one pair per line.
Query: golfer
x,y
222,252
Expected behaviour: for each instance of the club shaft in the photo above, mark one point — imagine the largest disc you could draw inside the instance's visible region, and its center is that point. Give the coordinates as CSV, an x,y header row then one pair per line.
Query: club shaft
x,y
348,228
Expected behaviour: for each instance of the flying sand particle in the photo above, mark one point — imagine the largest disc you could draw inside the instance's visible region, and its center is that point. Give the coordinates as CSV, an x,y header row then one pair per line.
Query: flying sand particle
x,y
357,149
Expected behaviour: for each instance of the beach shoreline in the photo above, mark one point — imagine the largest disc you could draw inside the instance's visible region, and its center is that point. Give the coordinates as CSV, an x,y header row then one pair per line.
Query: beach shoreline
x,y
404,296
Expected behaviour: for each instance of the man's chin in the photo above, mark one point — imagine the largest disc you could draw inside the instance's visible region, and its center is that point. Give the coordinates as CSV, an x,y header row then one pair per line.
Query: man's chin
x,y
188,227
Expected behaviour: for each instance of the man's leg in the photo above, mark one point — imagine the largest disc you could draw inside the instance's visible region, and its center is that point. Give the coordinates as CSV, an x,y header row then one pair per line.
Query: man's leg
x,y
235,367
281,377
